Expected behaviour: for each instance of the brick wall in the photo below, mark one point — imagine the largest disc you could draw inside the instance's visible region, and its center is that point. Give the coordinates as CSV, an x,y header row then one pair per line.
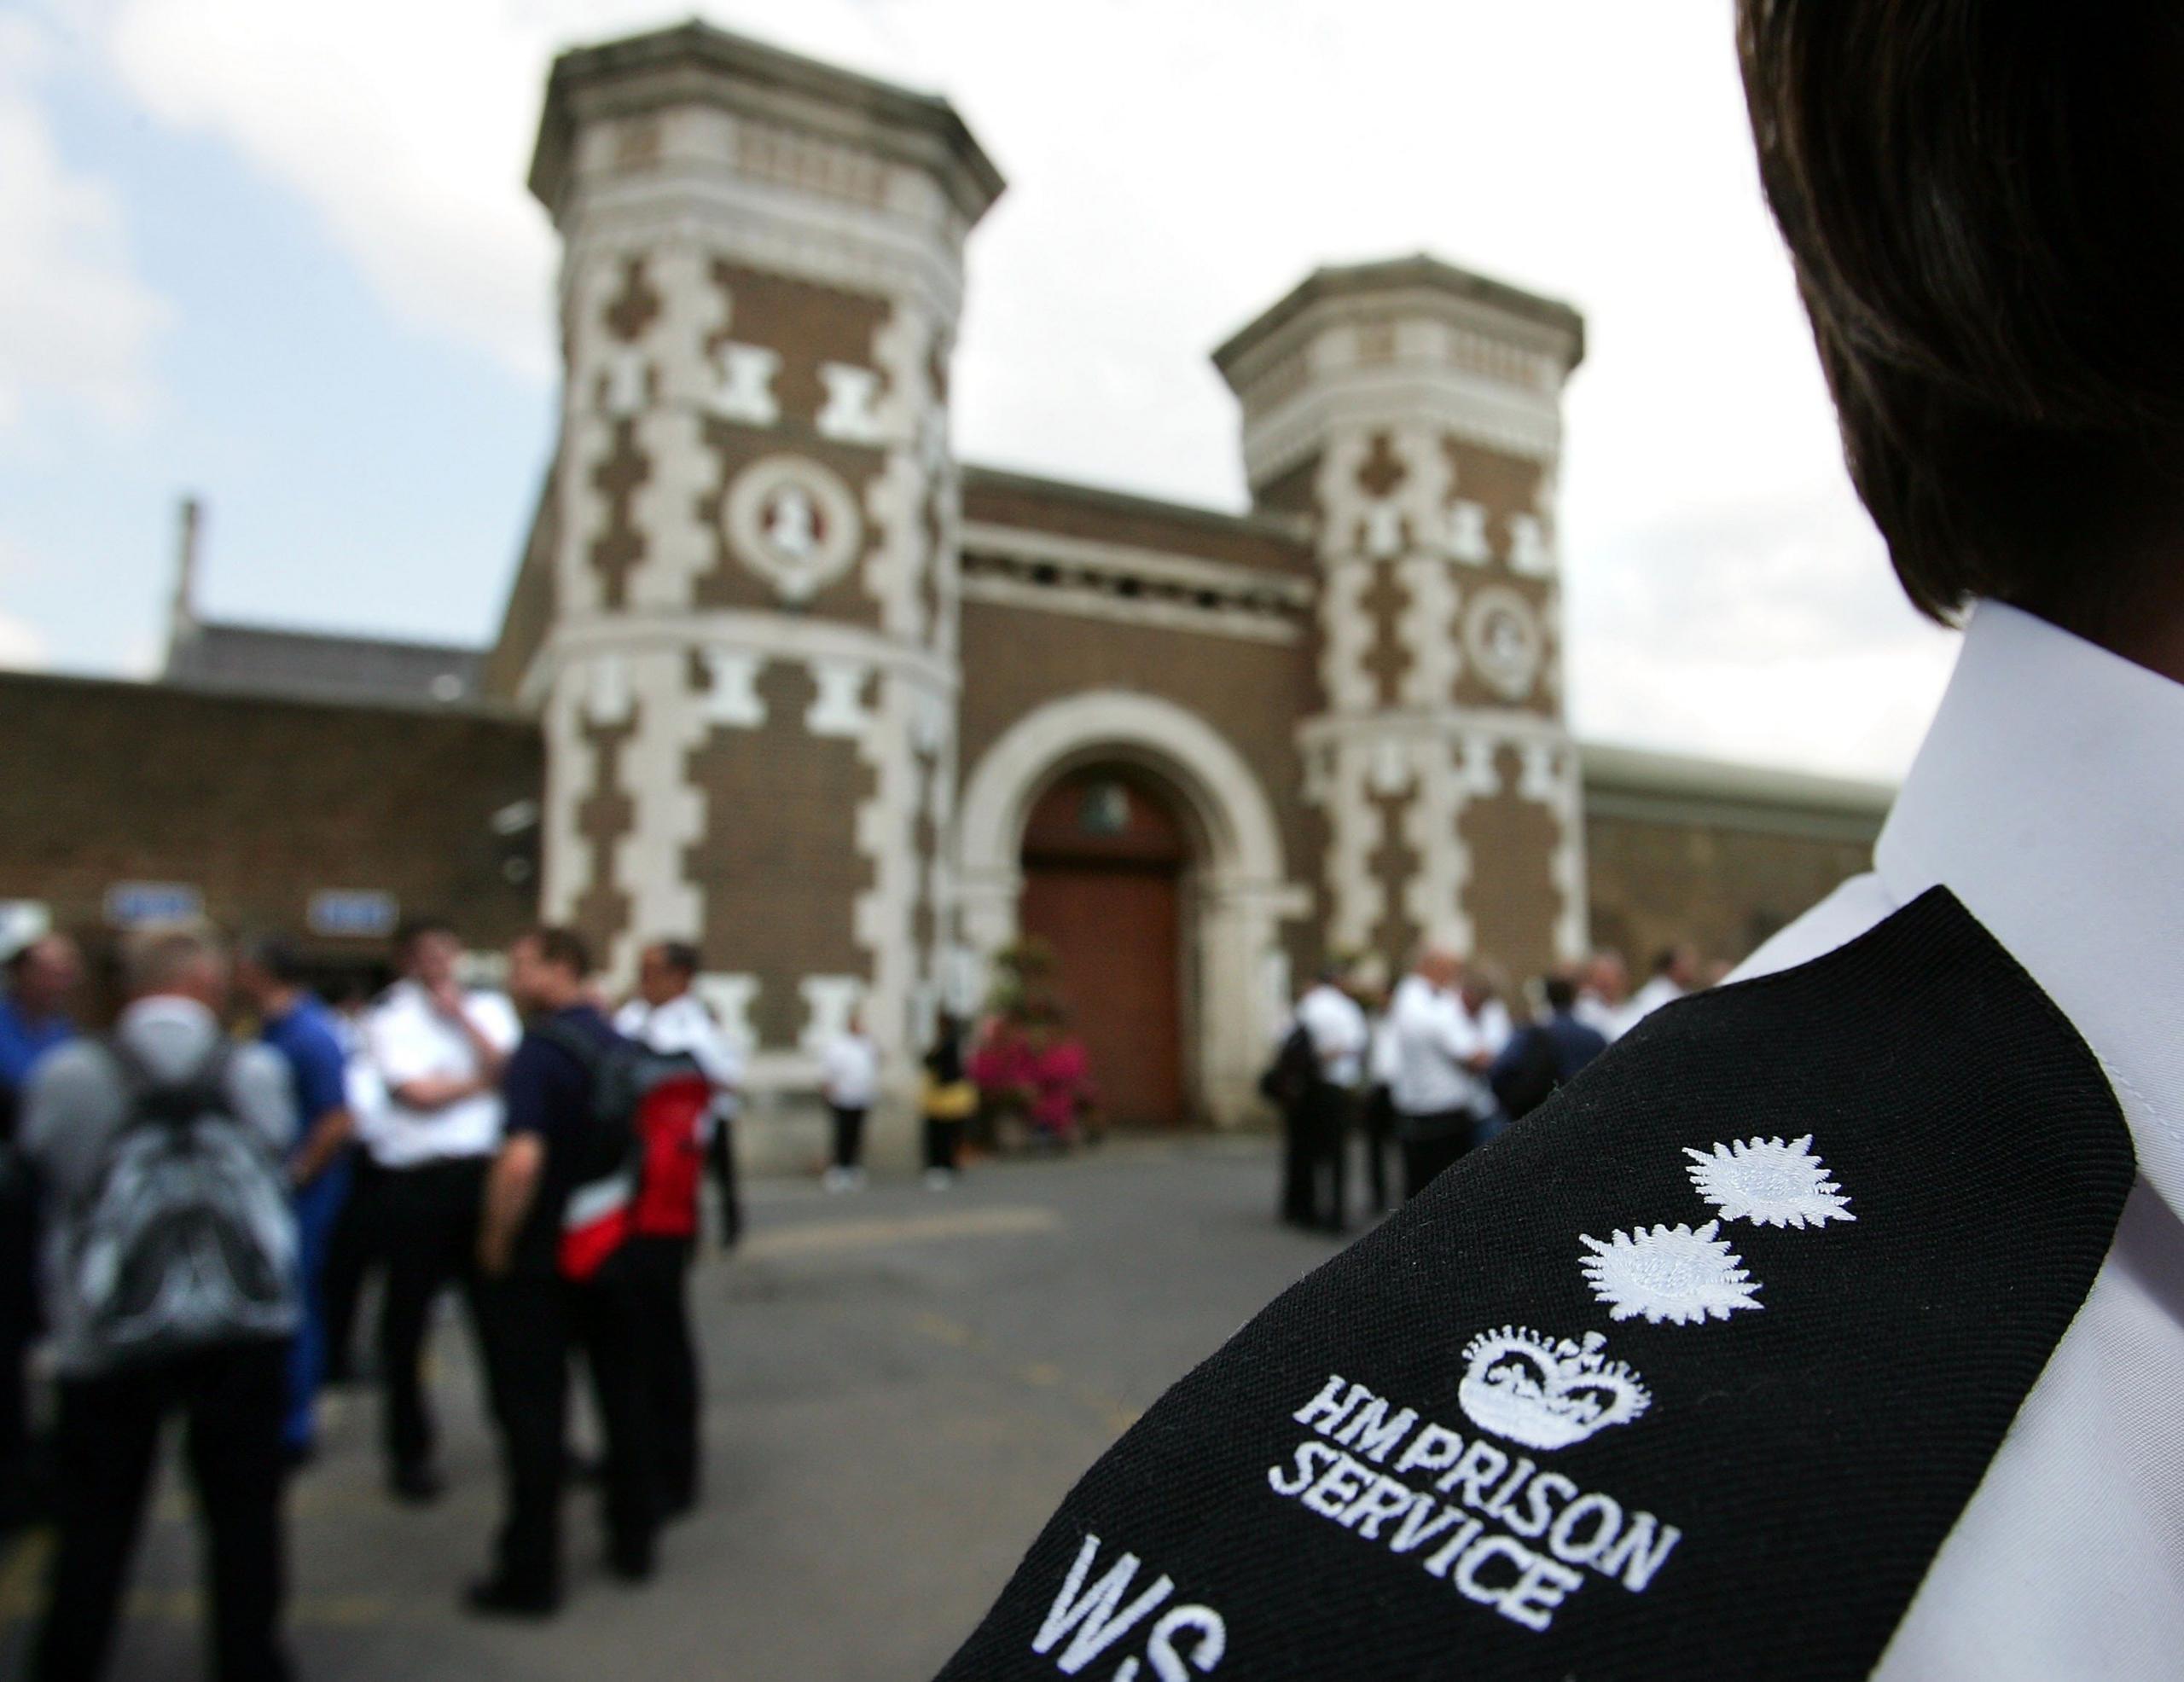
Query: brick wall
x,y
1726,888
258,805
1252,693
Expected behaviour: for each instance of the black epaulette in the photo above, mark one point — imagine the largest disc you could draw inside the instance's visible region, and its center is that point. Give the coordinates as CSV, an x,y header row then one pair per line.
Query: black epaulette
x,y
1688,1376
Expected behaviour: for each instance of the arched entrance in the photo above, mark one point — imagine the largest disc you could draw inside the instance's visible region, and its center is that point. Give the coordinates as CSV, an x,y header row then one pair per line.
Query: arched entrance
x,y
1106,864
1233,890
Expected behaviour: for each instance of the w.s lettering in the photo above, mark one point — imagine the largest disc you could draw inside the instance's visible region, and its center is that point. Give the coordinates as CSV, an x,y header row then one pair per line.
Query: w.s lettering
x,y
1089,1617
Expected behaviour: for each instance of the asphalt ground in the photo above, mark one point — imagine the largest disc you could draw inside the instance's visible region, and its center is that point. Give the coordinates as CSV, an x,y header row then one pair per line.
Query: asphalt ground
x,y
900,1385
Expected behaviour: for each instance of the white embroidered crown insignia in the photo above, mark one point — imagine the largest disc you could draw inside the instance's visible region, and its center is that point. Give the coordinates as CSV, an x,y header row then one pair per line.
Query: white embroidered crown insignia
x,y
1668,1273
1543,1394
1768,1183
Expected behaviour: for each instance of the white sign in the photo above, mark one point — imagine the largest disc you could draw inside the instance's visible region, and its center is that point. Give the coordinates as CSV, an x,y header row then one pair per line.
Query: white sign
x,y
351,913
136,905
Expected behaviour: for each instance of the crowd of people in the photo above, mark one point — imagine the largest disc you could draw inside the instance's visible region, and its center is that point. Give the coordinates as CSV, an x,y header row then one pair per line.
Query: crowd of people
x,y
196,1204
203,1207
1439,1065
215,1184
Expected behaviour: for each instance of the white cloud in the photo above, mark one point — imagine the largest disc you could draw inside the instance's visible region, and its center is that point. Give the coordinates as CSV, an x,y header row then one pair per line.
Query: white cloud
x,y
21,647
80,324
407,127
1176,167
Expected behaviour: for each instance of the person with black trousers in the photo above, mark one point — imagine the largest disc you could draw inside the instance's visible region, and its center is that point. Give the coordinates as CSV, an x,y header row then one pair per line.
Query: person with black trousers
x,y
223,1365
1337,1036
439,1048
534,1317
950,1101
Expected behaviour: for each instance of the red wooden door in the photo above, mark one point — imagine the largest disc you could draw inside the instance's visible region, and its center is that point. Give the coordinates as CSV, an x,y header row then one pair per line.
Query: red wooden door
x,y
1113,929
1103,861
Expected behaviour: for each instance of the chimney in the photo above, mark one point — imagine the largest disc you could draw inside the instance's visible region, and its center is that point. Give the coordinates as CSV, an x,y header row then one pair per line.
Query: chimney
x,y
182,618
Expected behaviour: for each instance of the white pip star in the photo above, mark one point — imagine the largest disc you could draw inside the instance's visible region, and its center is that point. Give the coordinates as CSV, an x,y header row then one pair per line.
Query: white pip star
x,y
1668,1273
1768,1183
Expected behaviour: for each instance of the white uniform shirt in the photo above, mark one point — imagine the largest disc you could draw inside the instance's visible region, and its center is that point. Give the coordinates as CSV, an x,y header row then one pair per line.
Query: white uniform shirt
x,y
684,1025
360,1080
1386,1057
1596,1013
1496,1030
1336,1024
1660,991
2049,798
850,1071
1434,1041
410,1039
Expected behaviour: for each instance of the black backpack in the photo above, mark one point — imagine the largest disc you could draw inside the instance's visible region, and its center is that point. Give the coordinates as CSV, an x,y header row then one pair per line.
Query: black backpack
x,y
186,1239
1296,1065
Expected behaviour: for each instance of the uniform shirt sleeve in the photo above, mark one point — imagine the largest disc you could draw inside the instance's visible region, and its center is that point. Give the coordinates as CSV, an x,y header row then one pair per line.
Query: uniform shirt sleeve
x,y
1452,1032
684,1025
495,1018
715,1053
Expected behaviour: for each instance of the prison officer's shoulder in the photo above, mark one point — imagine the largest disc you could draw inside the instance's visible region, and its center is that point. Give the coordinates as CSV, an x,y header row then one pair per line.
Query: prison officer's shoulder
x,y
1702,1361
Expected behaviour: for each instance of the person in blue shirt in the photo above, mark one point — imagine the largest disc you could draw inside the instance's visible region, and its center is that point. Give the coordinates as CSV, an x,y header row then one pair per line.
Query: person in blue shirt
x,y
270,975
43,977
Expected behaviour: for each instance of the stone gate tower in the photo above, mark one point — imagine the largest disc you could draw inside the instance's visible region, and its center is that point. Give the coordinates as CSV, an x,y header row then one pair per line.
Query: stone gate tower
x,y
749,675
1412,413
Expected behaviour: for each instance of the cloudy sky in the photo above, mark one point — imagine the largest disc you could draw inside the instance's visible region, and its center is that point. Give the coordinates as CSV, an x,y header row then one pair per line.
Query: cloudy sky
x,y
281,254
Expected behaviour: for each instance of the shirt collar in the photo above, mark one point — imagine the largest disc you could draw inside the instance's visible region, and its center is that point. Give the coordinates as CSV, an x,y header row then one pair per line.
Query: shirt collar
x,y
2049,798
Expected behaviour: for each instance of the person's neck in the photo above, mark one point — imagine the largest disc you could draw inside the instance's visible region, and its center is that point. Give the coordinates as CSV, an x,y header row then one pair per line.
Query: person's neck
x,y
2155,642
2140,618
174,998
279,1002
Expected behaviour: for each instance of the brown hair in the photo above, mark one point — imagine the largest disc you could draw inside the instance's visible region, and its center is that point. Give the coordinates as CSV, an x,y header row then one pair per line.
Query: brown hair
x,y
1985,207
564,948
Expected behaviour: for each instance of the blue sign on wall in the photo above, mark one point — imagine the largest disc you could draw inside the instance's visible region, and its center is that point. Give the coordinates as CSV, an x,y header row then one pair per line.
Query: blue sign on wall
x,y
136,905
352,913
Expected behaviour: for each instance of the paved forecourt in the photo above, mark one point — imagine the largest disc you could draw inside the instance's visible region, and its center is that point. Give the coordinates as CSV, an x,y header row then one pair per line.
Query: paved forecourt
x,y
901,1385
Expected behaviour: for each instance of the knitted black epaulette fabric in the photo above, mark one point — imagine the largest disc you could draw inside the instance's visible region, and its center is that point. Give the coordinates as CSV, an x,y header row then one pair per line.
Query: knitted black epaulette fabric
x,y
1688,1376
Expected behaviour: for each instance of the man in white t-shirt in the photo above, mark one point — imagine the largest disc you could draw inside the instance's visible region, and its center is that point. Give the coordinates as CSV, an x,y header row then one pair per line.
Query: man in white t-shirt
x,y
1315,1181
850,1082
668,1016
1438,1056
437,1051
1603,991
